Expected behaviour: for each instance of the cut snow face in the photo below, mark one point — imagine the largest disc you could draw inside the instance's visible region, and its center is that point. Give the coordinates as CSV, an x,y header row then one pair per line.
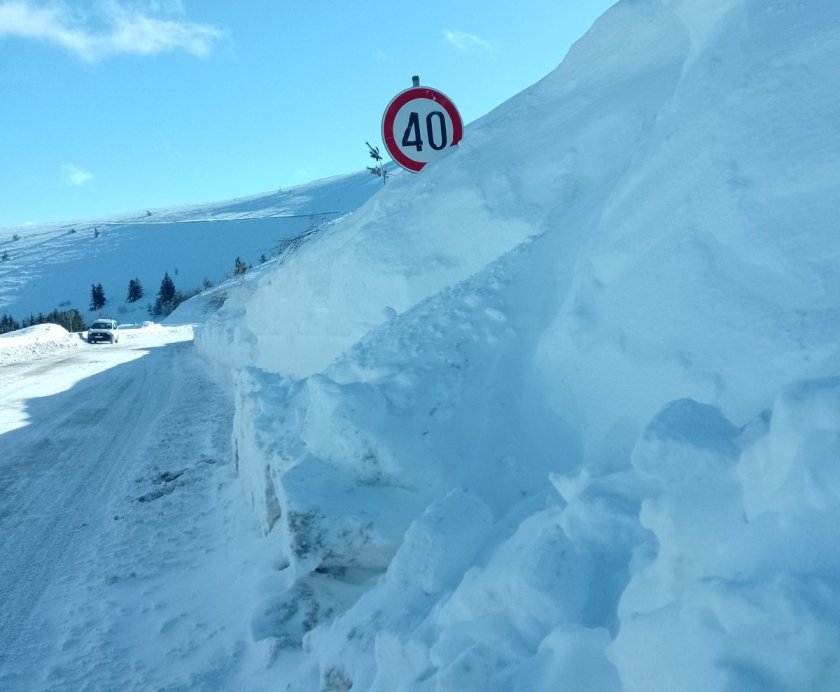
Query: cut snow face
x,y
546,415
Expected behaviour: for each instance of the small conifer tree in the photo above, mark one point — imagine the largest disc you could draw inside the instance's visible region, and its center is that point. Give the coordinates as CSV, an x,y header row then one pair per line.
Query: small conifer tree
x,y
135,291
97,297
240,266
8,324
167,289
167,298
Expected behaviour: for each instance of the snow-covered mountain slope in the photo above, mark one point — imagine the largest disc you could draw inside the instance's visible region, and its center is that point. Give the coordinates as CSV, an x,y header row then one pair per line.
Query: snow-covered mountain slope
x,y
53,267
561,411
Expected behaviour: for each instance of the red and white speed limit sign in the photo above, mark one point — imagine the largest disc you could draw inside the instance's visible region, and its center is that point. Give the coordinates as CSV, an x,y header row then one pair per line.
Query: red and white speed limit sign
x,y
418,125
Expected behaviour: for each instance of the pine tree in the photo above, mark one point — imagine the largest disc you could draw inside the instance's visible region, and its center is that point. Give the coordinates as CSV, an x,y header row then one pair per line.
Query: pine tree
x,y
167,298
77,322
8,324
97,297
167,289
135,291
240,266
71,320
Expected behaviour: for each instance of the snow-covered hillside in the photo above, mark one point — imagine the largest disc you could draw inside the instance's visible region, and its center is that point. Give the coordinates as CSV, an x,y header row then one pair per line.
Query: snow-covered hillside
x,y
563,410
53,267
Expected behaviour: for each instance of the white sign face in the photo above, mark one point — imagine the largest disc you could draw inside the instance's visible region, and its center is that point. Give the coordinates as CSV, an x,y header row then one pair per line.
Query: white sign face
x,y
418,125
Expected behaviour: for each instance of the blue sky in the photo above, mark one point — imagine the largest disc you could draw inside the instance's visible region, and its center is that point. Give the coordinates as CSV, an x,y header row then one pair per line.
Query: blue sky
x,y
121,105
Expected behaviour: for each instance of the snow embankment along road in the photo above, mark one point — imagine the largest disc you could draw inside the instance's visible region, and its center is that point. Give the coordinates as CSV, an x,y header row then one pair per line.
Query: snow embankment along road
x,y
119,510
41,340
35,342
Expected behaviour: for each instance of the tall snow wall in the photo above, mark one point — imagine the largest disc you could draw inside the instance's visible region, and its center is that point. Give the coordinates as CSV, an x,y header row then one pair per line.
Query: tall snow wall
x,y
546,413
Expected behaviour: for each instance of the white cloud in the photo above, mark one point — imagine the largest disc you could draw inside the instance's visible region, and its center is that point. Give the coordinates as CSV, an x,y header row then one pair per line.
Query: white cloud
x,y
73,175
464,42
115,29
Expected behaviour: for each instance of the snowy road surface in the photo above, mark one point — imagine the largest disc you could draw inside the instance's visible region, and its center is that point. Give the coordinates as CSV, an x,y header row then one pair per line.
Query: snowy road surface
x,y
119,516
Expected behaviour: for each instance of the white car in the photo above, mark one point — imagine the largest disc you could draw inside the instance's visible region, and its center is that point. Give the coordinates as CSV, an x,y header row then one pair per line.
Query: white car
x,y
103,330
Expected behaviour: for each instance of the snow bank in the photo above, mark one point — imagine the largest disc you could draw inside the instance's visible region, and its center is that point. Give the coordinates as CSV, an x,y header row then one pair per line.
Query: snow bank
x,y
561,412
35,342
48,339
711,270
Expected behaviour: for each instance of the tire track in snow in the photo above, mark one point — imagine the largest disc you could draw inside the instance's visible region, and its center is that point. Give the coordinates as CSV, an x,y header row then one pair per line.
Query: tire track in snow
x,y
59,471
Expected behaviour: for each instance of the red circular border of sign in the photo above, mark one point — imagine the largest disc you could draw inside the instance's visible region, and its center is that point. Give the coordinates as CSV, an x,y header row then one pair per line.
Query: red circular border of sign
x,y
391,115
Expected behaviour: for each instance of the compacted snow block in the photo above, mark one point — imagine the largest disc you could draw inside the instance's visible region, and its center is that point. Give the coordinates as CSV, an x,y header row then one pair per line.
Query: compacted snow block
x,y
741,593
688,454
796,463
321,475
334,521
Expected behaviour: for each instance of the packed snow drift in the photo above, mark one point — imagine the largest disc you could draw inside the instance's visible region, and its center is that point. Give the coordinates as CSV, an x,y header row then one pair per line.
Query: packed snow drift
x,y
35,342
563,410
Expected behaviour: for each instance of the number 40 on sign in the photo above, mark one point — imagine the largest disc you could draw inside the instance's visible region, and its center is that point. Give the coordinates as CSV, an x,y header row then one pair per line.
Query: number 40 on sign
x,y
419,124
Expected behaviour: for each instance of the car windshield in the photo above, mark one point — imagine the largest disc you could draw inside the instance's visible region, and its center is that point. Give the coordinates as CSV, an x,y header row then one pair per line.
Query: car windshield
x,y
101,325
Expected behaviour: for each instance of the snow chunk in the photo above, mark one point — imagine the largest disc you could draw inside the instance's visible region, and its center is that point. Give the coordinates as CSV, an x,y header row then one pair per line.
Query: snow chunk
x,y
795,463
